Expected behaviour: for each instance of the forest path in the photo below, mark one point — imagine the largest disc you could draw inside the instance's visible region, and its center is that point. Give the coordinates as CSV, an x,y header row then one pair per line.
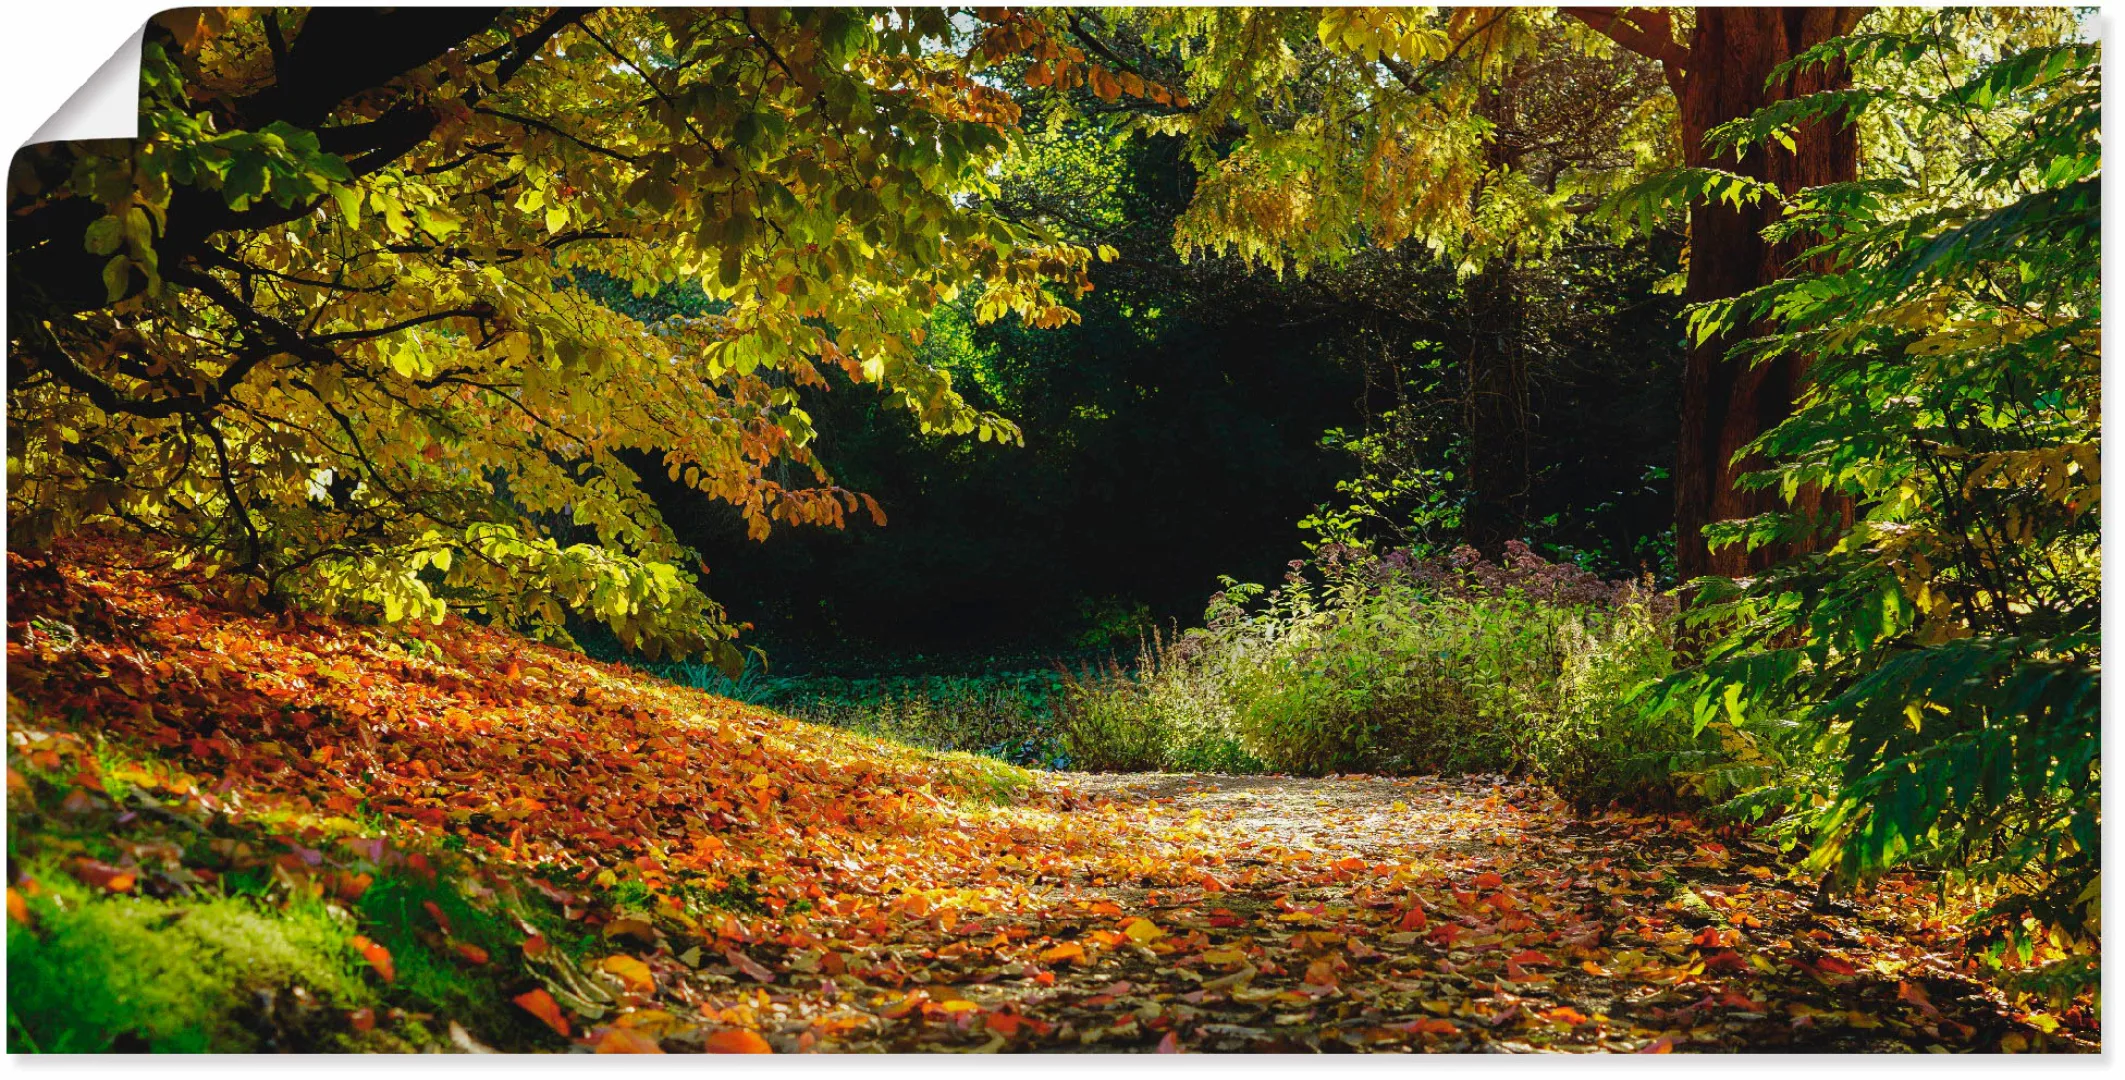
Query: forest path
x,y
1477,914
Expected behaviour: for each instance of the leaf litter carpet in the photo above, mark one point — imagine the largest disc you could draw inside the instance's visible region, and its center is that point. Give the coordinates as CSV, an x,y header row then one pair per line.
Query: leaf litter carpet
x,y
743,881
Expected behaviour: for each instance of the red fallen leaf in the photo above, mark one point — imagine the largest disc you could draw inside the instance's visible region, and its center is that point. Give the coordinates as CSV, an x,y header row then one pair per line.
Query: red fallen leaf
x,y
1431,1026
436,913
1489,880
470,952
737,1041
1735,1000
1004,1024
1171,1044
1662,1045
1835,966
103,875
1725,960
1445,933
363,1019
748,965
535,946
620,1040
1413,919
1530,956
539,1003
377,956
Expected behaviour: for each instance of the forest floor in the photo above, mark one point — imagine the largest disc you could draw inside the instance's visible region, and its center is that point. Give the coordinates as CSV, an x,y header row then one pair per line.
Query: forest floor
x,y
451,838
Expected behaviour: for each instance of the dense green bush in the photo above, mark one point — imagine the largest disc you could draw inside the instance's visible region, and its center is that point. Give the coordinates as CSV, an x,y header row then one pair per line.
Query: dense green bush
x,y
1390,663
1173,712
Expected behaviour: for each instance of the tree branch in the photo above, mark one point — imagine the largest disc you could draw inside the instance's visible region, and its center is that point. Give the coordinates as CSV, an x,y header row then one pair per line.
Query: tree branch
x,y
1649,32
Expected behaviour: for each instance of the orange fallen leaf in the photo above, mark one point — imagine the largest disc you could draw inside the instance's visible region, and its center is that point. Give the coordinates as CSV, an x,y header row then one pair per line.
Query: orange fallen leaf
x,y
535,946
1915,994
470,952
377,956
1530,956
18,909
1489,880
737,1041
539,1003
623,1040
1068,950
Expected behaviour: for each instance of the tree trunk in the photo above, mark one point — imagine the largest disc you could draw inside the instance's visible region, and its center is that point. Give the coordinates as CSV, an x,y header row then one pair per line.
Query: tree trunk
x,y
1725,404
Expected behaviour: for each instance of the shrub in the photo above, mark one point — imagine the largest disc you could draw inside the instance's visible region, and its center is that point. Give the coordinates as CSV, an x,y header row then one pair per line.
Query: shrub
x,y
1172,712
1395,663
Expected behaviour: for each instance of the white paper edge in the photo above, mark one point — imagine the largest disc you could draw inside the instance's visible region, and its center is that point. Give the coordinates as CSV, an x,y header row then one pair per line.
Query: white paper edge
x,y
107,106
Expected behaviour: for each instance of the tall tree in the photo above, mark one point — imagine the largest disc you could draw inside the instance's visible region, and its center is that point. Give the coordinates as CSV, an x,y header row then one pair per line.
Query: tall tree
x,y
1323,129
1735,63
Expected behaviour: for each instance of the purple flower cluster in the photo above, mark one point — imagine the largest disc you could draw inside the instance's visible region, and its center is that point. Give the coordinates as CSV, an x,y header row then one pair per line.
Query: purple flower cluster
x,y
1465,574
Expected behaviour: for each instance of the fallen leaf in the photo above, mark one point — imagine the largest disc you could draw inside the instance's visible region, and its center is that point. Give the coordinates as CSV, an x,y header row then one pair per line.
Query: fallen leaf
x,y
632,972
624,1040
377,956
737,1041
539,1003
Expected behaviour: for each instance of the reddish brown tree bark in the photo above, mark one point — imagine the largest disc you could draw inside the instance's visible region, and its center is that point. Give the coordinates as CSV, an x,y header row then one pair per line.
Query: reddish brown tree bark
x,y
1722,75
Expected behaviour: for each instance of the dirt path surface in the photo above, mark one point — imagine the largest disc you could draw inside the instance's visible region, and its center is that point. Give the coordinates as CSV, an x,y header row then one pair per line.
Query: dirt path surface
x,y
1387,914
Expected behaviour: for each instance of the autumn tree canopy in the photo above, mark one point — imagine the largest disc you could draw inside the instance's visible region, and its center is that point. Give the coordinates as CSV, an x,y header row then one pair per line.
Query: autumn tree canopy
x,y
328,325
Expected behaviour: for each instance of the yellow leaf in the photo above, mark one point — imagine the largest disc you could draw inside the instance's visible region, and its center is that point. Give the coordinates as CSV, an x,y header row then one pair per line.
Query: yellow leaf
x,y
630,971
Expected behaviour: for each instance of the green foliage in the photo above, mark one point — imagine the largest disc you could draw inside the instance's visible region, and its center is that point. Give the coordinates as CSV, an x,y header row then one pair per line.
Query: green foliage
x,y
1320,131
1945,640
230,936
102,973
1388,664
1171,712
1005,715
399,380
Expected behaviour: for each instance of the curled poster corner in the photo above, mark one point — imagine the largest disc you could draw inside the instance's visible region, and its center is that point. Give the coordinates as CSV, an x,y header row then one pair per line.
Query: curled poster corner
x,y
107,106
